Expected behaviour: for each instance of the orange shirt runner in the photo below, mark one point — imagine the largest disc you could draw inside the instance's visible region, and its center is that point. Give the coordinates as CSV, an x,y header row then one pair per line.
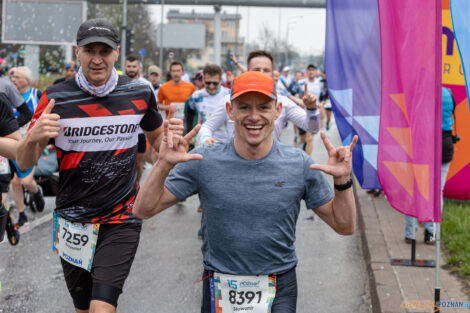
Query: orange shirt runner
x,y
177,94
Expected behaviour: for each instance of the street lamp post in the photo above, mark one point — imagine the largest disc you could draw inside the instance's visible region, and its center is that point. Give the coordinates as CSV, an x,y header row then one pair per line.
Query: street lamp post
x,y
290,22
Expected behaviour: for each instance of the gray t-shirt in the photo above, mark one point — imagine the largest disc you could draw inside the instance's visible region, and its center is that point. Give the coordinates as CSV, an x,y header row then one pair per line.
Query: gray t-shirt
x,y
11,92
250,207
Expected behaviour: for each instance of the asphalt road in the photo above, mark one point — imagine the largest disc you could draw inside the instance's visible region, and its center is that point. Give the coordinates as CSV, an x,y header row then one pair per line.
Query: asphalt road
x,y
164,278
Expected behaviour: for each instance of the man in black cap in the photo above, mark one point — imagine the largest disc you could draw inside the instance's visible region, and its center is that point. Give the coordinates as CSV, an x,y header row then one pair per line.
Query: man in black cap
x,y
93,120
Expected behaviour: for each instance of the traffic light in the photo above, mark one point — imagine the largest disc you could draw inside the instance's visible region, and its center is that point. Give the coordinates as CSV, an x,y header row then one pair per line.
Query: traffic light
x,y
130,41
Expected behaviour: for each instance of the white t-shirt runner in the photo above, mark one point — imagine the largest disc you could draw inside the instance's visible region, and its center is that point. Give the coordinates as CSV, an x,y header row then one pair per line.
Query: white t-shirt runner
x,y
206,104
305,119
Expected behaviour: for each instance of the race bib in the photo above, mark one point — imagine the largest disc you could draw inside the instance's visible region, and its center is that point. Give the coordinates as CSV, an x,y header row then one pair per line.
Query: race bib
x,y
234,293
4,166
179,110
75,242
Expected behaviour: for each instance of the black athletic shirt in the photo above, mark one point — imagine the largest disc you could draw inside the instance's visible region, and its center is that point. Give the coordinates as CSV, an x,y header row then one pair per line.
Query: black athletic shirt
x,y
7,118
97,148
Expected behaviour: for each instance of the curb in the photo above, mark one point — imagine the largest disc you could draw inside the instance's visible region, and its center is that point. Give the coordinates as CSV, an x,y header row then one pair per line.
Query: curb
x,y
384,288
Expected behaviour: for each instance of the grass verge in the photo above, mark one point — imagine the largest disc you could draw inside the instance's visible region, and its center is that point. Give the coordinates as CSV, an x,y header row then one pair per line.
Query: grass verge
x,y
455,235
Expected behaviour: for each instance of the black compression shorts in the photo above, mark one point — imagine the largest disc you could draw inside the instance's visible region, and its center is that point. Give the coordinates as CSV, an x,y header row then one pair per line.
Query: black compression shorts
x,y
4,182
115,251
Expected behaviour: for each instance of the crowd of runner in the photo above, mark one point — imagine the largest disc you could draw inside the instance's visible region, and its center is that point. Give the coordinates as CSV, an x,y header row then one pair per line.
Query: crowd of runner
x,y
104,127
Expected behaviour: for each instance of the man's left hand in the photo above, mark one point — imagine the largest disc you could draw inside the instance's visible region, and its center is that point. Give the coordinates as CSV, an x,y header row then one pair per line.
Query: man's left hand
x,y
339,160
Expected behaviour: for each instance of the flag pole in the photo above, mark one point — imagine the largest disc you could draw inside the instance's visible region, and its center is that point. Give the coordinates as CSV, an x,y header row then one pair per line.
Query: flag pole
x,y
437,290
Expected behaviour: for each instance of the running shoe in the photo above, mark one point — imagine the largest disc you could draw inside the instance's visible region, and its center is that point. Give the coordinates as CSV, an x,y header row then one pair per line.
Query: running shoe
x,y
28,199
429,238
22,219
37,201
13,234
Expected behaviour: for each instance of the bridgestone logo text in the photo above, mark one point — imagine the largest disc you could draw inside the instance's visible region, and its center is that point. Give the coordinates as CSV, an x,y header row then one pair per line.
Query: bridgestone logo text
x,y
100,130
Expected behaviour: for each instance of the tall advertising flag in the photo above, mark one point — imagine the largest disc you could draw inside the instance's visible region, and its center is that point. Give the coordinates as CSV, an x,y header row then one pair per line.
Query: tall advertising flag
x,y
409,152
352,66
460,11
453,70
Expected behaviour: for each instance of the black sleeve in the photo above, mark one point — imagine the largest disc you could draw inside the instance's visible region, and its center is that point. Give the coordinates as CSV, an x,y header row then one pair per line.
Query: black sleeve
x,y
189,115
25,114
8,123
152,118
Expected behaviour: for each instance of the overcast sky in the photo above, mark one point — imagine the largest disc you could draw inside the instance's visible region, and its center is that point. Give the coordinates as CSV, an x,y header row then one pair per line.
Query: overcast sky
x,y
306,26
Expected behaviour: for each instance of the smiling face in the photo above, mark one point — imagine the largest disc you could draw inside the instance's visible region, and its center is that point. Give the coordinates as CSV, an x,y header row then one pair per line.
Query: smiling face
x,y
97,62
212,83
253,115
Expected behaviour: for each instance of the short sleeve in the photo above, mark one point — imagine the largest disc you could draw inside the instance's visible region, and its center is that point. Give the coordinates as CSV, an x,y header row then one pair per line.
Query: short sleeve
x,y
43,102
182,181
160,94
13,95
317,189
7,118
152,118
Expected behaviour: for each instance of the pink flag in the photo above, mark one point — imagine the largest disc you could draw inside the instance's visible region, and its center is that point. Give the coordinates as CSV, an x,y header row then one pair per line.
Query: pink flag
x,y
409,152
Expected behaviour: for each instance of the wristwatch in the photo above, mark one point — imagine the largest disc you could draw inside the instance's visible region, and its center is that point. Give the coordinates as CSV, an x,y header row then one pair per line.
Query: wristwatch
x,y
344,186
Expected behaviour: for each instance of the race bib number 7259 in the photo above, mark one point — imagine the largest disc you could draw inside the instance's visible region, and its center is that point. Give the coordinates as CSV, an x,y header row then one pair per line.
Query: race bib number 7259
x,y
75,242
234,293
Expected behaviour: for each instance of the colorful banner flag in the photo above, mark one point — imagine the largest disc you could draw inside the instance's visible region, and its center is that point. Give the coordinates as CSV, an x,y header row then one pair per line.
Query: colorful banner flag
x,y
460,11
458,178
352,66
409,152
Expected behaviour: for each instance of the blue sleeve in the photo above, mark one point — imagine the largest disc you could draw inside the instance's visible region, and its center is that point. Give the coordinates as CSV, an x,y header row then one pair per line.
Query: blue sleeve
x,y
317,189
182,180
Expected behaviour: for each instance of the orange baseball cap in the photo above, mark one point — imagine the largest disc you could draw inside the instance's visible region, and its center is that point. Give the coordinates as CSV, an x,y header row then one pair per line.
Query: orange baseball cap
x,y
253,81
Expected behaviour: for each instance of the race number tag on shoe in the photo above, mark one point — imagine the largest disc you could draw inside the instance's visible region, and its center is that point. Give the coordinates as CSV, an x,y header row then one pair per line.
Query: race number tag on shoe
x,y
75,242
234,293
179,110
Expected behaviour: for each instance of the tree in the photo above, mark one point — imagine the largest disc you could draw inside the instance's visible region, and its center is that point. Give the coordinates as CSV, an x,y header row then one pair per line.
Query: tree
x,y
283,53
139,20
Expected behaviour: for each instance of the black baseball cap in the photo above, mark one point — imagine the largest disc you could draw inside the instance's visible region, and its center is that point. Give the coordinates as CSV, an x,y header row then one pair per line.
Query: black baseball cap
x,y
98,30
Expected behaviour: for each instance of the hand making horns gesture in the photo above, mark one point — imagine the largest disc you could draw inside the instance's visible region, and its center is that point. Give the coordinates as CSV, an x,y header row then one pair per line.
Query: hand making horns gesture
x,y
339,159
174,147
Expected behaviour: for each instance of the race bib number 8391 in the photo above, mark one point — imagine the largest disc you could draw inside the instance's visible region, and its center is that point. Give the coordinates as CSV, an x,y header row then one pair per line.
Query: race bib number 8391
x,y
234,293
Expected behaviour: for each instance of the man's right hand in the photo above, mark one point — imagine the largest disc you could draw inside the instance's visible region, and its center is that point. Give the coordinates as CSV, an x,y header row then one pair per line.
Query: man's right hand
x,y
46,127
173,149
210,141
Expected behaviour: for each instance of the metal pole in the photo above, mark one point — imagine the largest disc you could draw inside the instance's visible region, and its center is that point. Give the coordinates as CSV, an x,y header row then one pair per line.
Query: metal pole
x,y
68,52
247,34
437,290
160,50
413,242
237,25
217,41
124,34
31,60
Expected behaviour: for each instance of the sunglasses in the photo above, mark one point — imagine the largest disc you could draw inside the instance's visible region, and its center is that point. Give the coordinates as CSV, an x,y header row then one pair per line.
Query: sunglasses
x,y
212,83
